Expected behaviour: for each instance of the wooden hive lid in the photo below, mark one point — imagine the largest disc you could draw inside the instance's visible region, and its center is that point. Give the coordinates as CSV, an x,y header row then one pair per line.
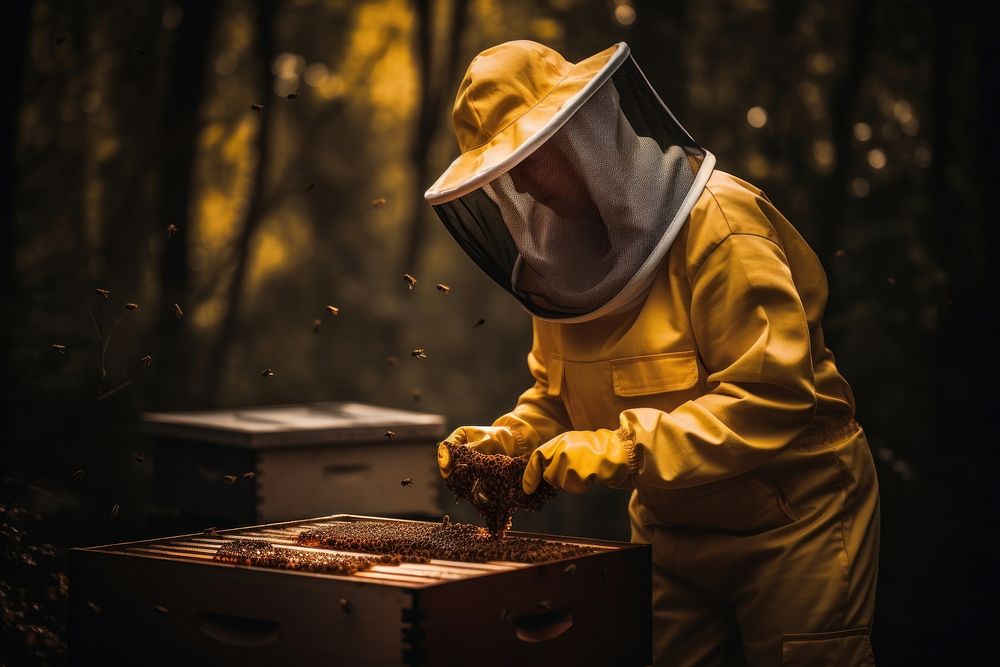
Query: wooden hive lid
x,y
263,427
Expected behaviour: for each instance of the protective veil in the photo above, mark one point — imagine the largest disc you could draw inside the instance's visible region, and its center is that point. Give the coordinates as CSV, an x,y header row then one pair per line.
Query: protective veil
x,y
575,216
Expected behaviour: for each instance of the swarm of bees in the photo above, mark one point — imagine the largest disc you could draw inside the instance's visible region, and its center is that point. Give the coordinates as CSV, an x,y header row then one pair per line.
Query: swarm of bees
x,y
491,482
262,553
419,542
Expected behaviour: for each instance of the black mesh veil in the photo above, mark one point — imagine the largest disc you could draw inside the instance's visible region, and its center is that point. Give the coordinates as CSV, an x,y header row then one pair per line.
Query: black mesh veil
x,y
579,225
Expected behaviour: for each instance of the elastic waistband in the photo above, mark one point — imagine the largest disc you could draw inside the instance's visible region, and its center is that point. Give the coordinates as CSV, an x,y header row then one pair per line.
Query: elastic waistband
x,y
829,432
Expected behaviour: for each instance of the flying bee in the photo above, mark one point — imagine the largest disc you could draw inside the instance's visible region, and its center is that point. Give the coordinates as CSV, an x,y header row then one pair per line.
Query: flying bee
x,y
257,108
333,310
94,607
78,474
504,615
229,479
141,51
416,394
410,280
115,510
840,253
266,373
419,353
60,40
345,605
378,203
160,609
478,323
58,347
178,313
132,306
249,475
310,186
292,96
316,325
890,280
147,361
171,230
570,569
444,289
138,458
390,434
390,361
406,482
103,292
545,604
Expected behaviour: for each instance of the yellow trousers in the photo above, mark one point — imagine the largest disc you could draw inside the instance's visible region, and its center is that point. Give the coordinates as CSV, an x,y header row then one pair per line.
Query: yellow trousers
x,y
777,567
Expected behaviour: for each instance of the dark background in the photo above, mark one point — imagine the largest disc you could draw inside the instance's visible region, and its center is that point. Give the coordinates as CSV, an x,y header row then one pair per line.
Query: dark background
x,y
864,121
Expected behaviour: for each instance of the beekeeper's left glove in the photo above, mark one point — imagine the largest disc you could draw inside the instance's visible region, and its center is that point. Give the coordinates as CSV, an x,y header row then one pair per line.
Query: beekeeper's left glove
x,y
574,460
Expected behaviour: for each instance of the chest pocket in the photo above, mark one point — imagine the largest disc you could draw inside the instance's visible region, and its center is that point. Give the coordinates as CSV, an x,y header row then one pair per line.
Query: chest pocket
x,y
596,392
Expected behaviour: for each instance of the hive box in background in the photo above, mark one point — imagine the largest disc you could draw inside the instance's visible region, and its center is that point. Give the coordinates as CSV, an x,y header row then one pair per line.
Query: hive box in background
x,y
306,460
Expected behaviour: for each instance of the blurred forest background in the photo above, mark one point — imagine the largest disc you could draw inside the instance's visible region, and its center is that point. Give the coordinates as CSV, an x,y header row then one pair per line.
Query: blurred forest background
x,y
138,166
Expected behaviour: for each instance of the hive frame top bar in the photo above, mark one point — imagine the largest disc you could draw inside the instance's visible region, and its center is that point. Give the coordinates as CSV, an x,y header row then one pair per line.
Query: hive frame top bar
x,y
468,570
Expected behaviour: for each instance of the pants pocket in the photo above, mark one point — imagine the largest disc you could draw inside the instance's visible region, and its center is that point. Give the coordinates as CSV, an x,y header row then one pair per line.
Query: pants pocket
x,y
839,648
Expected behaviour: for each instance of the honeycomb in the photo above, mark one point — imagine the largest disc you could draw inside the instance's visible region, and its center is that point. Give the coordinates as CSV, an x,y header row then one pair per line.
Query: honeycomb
x,y
444,541
262,553
491,483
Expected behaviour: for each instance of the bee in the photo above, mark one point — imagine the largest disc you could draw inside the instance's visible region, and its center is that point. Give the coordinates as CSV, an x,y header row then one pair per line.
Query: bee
x,y
249,475
419,353
229,479
504,615
478,323
103,292
93,606
60,40
310,186
58,347
445,521
78,474
390,434
258,108
416,394
147,361
410,280
570,569
266,373
444,289
209,531
132,306
178,313
171,230
345,605
316,325
378,203
406,482
390,361
890,280
292,96
545,604
138,458
160,609
333,310
840,254
141,51
115,510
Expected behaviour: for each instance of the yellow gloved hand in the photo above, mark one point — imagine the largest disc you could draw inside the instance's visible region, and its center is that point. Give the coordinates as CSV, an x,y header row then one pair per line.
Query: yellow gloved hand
x,y
484,439
576,459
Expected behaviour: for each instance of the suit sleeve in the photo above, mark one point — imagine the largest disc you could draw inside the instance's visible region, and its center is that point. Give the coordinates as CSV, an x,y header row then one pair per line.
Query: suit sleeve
x,y
539,414
753,339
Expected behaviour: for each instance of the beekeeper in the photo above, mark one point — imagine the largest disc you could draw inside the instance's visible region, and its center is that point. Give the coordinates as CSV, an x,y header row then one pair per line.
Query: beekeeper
x,y
677,351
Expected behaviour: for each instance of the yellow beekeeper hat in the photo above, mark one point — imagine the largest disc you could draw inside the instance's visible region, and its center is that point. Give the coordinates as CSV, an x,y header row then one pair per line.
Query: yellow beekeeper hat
x,y
513,98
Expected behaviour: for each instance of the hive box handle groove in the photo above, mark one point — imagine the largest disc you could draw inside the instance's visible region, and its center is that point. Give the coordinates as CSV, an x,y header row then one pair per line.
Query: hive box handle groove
x,y
238,630
544,626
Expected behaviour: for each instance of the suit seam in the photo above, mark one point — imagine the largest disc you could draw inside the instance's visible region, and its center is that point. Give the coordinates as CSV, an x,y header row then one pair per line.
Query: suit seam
x,y
715,247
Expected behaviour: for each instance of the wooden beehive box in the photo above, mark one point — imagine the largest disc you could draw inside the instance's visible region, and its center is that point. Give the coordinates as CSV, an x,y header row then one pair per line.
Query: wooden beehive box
x,y
166,601
306,460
